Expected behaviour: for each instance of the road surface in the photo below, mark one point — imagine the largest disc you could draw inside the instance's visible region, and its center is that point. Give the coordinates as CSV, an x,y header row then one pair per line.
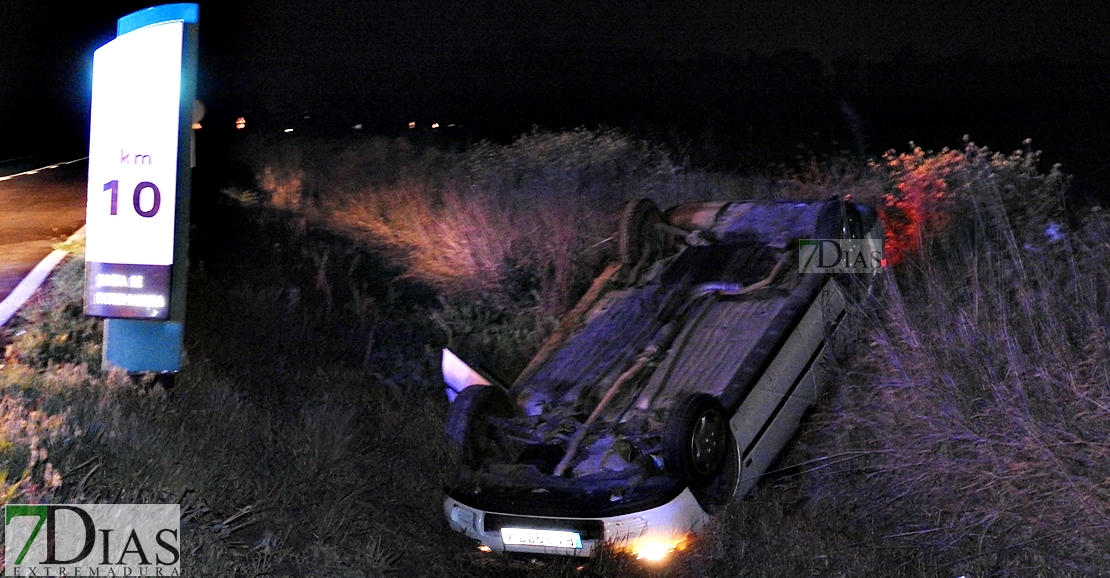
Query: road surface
x,y
36,211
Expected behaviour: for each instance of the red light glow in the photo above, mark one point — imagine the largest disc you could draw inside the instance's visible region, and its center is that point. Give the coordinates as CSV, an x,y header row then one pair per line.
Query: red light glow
x,y
920,204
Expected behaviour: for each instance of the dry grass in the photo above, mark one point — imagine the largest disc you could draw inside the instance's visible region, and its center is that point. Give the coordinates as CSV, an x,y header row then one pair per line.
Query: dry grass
x,y
532,220
977,420
968,437
507,236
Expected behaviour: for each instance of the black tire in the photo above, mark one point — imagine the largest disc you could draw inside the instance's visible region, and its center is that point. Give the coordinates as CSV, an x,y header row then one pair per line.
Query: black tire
x,y
469,432
697,440
718,494
636,231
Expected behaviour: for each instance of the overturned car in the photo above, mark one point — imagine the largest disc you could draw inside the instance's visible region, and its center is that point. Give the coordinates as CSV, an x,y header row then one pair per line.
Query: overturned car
x,y
668,390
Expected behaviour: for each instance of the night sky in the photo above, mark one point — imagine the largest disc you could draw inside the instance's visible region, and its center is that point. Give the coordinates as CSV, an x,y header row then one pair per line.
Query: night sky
x,y
936,70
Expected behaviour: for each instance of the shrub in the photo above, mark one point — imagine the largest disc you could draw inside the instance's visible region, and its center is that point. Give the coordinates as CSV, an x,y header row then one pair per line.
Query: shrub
x,y
987,192
975,417
516,230
529,220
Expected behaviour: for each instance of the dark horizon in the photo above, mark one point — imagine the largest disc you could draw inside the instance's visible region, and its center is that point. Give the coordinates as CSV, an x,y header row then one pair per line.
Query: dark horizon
x,y
753,82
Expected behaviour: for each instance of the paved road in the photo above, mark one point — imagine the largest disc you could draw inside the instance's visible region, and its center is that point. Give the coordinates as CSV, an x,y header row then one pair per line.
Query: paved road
x,y
36,211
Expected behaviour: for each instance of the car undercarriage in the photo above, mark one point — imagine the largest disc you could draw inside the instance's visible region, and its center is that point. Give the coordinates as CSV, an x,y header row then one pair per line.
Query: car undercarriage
x,y
702,342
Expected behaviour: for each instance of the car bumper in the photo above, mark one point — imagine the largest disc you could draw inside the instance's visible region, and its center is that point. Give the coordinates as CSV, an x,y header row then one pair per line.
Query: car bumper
x,y
650,533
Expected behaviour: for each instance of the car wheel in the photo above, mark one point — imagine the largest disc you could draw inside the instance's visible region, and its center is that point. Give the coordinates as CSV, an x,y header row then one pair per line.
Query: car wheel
x,y
718,494
636,232
696,440
469,431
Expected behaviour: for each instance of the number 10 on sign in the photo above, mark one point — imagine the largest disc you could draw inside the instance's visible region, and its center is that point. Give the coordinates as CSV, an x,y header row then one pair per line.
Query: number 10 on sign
x,y
155,204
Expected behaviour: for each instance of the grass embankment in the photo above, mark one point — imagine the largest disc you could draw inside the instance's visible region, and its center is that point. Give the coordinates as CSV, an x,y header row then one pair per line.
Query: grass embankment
x,y
967,436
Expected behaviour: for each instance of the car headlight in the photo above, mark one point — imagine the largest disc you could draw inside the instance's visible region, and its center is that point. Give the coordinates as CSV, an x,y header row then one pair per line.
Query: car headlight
x,y
656,549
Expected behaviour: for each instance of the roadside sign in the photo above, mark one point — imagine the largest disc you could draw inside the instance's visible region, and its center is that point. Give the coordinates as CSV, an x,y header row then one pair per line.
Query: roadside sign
x,y
144,84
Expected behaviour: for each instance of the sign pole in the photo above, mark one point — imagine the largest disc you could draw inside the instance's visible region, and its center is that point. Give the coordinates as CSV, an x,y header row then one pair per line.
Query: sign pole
x,y
137,216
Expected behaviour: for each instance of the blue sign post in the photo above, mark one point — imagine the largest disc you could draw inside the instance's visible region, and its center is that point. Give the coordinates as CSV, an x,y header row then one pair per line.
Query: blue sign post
x,y
137,214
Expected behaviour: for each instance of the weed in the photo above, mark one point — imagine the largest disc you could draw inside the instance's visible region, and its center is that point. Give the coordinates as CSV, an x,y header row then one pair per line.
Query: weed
x,y
305,435
56,330
975,412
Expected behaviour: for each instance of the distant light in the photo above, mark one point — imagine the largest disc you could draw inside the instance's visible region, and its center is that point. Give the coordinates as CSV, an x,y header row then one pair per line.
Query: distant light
x,y
288,130
484,548
412,125
435,125
357,126
196,126
240,123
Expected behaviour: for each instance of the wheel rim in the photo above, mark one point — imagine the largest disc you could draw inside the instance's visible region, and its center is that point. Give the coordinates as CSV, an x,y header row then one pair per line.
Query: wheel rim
x,y
707,442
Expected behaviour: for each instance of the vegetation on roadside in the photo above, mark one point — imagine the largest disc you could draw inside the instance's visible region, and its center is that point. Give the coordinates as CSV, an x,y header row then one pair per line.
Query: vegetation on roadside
x,y
975,433
965,437
507,236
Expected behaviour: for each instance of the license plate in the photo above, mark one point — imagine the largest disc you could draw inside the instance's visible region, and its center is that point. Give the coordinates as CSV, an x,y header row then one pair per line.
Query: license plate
x,y
547,538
